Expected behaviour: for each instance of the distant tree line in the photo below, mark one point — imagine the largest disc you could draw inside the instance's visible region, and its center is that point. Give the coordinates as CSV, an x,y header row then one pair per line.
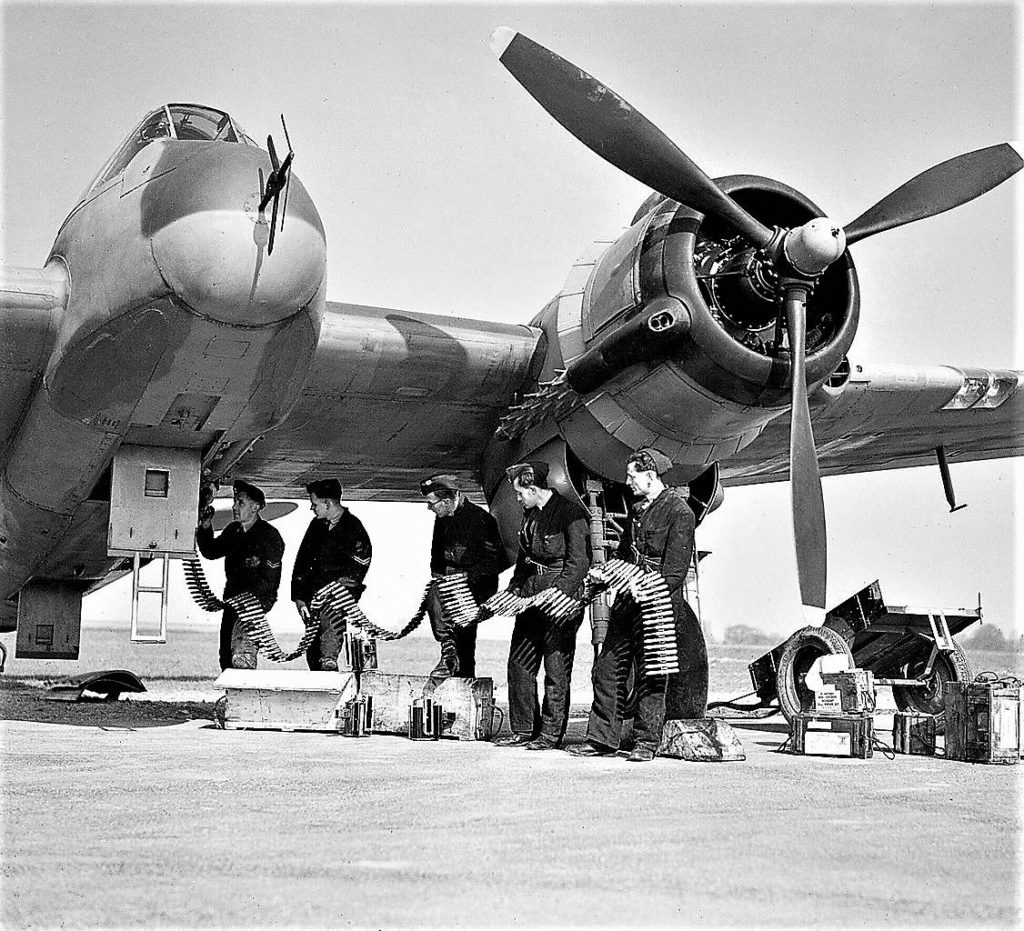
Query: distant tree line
x,y
743,634
981,637
989,637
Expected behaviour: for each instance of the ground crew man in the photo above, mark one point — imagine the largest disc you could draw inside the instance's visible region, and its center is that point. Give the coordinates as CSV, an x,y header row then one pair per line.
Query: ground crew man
x,y
336,548
252,551
465,539
553,553
659,538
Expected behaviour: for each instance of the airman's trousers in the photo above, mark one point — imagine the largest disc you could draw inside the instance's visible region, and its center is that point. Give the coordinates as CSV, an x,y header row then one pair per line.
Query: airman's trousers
x,y
537,639
237,651
458,644
659,698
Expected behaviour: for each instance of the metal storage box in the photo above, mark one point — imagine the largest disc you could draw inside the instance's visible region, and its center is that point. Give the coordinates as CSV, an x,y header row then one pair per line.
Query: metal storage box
x,y
913,733
856,688
982,722
844,736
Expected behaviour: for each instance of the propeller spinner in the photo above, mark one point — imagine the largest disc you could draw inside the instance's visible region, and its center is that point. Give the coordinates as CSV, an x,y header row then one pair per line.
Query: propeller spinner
x,y
797,257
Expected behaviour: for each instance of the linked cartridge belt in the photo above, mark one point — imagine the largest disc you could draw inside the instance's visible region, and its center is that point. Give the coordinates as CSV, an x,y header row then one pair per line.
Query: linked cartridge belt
x,y
553,602
334,599
659,653
249,612
334,603
660,648
457,600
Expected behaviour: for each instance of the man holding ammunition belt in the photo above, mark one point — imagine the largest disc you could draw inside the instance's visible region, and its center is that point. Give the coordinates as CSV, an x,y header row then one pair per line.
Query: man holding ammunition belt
x,y
553,553
466,540
336,548
252,551
658,538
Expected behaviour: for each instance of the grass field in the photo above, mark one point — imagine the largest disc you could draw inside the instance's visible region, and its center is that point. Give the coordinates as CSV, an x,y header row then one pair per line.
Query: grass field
x,y
189,658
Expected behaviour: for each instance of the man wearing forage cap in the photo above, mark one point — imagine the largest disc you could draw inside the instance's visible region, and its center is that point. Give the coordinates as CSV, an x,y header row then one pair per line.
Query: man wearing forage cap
x,y
465,539
553,553
658,538
252,551
335,548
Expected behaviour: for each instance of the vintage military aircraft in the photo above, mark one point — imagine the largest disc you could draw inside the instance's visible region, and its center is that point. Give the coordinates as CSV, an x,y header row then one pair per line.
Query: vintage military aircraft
x,y
178,335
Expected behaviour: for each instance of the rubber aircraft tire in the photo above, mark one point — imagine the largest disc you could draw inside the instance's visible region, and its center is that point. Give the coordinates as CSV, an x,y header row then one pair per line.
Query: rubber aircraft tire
x,y
801,650
948,667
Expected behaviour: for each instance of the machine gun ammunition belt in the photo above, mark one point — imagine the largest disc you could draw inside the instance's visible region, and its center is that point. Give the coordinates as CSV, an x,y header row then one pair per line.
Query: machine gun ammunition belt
x,y
334,600
551,601
248,610
660,649
457,600
462,608
334,603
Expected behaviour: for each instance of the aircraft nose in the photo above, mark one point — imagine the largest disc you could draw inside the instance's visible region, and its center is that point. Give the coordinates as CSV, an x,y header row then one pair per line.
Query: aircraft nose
x,y
210,241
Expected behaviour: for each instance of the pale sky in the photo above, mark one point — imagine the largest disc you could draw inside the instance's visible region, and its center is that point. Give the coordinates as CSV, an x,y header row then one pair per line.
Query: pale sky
x,y
445,188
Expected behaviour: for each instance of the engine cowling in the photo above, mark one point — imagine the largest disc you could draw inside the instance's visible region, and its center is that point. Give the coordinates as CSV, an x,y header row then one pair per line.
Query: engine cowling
x,y
671,335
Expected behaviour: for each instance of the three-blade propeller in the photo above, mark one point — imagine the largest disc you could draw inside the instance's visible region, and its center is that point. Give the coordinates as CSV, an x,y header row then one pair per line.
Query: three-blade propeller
x,y
280,177
613,129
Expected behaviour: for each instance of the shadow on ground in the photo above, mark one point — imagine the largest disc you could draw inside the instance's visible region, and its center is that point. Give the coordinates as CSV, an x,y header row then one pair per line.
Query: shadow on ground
x,y
20,701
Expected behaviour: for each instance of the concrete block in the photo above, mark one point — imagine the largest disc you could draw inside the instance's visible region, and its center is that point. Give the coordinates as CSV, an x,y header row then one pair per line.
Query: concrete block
x,y
700,740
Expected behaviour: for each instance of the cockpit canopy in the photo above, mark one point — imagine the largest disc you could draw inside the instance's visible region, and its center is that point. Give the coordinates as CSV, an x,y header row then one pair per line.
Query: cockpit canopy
x,y
182,121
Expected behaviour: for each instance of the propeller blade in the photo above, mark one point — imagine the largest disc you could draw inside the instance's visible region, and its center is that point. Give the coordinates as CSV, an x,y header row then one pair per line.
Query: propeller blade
x,y
938,189
611,128
273,225
272,152
287,139
284,206
287,170
804,476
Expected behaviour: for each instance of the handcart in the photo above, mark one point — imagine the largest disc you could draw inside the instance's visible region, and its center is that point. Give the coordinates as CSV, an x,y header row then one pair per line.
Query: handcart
x,y
910,649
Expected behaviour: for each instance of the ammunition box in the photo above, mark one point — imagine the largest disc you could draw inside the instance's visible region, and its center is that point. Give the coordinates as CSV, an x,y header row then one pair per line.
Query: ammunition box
x,y
842,736
982,722
856,688
913,733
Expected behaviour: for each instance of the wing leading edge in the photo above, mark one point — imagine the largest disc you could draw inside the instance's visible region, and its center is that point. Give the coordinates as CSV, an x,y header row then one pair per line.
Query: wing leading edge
x,y
893,417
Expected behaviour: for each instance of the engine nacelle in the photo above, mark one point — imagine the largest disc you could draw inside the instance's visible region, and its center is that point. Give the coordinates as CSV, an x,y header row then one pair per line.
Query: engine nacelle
x,y
672,336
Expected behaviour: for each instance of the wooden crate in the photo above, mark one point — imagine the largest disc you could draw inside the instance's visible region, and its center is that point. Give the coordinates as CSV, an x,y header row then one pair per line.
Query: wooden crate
x,y
849,735
284,699
913,733
856,689
983,722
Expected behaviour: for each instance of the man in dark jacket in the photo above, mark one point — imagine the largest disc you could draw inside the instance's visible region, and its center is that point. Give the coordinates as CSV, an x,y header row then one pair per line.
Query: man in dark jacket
x,y
658,538
553,553
252,551
466,539
336,548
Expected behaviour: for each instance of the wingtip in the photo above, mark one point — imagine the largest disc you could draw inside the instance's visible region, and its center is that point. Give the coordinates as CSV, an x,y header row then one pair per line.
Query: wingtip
x,y
501,39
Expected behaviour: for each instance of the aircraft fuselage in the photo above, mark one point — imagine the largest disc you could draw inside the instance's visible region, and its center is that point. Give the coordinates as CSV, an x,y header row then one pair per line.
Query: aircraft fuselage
x,y
178,330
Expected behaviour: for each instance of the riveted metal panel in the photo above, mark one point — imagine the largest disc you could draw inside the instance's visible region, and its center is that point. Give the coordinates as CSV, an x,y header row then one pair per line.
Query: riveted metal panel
x,y
154,495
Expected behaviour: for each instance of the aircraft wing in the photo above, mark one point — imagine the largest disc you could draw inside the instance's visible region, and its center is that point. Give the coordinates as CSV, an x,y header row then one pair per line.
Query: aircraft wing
x,y
391,397
894,416
31,301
